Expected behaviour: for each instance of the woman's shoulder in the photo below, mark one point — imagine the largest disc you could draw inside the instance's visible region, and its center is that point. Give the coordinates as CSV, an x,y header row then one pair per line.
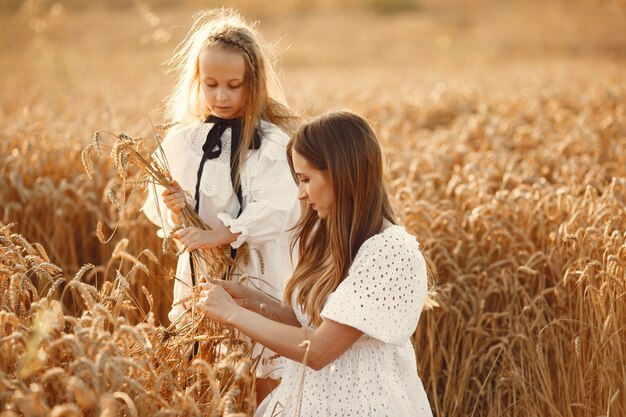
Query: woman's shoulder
x,y
396,234
394,240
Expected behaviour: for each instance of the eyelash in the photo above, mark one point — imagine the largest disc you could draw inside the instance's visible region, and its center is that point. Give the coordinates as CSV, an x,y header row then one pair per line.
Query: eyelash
x,y
230,86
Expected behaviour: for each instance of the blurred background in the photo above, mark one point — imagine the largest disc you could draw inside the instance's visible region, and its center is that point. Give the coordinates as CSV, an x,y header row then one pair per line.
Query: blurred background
x,y
327,50
504,124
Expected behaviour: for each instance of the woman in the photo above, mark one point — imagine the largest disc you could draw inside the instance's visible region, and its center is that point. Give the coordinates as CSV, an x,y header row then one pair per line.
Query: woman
x,y
357,292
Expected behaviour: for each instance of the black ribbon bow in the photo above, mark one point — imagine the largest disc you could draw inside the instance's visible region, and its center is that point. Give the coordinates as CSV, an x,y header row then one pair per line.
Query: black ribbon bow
x,y
212,149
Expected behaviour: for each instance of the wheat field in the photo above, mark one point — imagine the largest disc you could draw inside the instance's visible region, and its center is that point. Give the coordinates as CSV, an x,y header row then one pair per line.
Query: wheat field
x,y
504,127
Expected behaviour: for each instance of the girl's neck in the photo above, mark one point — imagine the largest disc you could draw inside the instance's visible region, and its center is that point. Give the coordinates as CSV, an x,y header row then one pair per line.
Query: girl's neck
x,y
213,118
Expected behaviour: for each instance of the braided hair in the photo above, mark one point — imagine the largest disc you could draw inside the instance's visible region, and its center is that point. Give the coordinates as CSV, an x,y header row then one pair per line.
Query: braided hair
x,y
225,28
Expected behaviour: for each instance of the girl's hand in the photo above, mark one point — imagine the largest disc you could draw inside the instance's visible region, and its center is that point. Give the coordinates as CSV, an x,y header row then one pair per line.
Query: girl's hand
x,y
174,198
216,303
240,293
193,238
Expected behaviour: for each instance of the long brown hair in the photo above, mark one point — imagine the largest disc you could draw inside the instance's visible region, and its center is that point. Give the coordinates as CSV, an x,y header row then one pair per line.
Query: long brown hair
x,y
345,146
224,28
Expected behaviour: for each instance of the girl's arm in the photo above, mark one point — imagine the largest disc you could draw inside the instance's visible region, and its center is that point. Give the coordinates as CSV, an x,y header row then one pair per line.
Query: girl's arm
x,y
327,343
272,206
194,238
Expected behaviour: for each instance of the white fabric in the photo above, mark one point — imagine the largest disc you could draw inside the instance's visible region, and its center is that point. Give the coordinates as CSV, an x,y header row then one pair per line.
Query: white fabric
x,y
270,204
383,296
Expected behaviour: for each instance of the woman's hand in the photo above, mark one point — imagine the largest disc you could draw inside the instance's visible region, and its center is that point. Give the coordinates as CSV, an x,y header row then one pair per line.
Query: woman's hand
x,y
174,198
216,303
240,293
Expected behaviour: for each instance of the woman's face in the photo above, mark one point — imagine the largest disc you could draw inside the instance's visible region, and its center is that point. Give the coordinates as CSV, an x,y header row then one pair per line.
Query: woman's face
x,y
313,185
222,75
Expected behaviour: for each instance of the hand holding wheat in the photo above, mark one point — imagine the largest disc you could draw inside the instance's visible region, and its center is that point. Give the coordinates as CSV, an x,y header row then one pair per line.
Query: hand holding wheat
x,y
216,303
174,198
137,167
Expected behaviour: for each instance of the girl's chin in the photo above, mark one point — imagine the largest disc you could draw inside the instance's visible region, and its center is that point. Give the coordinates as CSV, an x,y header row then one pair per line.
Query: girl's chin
x,y
226,113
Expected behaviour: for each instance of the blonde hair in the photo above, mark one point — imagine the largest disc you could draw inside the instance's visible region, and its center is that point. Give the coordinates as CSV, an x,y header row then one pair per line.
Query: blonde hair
x,y
225,28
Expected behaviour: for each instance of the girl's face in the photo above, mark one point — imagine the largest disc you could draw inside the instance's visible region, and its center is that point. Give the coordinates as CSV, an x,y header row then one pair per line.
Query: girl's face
x,y
314,186
222,74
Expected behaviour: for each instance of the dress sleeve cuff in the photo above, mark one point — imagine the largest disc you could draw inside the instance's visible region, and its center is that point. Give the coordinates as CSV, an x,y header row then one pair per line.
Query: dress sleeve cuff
x,y
169,216
235,227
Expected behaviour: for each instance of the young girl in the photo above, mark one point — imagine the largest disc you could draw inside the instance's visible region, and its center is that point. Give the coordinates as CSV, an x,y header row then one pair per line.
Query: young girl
x,y
356,294
228,157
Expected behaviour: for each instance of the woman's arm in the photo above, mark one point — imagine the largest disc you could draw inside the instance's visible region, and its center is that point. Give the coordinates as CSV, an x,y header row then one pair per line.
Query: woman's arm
x,y
256,300
325,344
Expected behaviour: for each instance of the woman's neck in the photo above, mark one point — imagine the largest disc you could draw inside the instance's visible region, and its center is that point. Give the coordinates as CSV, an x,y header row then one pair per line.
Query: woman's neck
x,y
386,224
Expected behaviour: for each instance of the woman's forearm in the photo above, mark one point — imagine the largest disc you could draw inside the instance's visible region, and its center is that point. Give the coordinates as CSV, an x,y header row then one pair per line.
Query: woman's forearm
x,y
284,339
329,341
268,306
314,349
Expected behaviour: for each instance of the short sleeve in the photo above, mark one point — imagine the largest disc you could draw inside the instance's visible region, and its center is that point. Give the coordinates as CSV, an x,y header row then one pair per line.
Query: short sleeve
x,y
385,290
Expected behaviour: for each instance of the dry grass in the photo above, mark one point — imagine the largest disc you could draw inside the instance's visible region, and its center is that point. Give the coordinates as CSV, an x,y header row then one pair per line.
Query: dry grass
x,y
512,172
98,363
521,209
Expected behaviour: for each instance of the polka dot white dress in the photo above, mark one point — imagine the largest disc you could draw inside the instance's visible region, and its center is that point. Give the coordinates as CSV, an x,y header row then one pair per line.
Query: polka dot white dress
x,y
383,297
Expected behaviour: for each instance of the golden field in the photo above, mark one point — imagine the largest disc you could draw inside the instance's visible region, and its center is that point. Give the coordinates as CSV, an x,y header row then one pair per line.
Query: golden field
x,y
505,131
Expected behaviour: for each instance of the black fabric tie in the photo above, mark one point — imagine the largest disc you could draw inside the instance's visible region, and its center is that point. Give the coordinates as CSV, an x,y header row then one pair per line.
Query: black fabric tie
x,y
212,149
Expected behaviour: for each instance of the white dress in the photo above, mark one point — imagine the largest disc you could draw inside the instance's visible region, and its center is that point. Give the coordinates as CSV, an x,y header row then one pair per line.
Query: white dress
x,y
383,297
271,207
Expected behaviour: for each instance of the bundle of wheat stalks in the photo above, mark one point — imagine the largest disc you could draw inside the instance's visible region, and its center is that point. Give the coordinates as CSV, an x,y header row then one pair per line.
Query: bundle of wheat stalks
x,y
138,169
97,363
